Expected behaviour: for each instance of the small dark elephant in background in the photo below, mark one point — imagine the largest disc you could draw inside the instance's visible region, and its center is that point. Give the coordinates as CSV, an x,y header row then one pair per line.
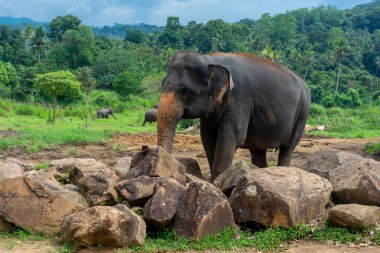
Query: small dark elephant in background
x,y
150,116
103,113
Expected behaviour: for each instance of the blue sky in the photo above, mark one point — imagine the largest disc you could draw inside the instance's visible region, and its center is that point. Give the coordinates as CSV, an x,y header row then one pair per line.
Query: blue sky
x,y
108,12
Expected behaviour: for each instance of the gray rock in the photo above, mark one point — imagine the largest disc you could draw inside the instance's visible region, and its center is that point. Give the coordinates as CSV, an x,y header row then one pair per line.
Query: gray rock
x,y
25,166
357,182
98,225
354,216
203,210
327,159
280,196
122,166
10,170
136,228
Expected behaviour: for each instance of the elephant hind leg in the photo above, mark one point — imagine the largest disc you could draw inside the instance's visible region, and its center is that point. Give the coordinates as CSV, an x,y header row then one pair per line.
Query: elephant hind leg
x,y
285,156
259,158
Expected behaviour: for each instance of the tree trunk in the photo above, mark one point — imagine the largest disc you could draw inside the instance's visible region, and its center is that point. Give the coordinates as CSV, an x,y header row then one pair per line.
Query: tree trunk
x,y
337,82
86,110
54,108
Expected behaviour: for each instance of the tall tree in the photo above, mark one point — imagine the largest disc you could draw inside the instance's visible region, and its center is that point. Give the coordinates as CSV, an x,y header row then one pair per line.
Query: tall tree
x,y
38,42
88,83
59,25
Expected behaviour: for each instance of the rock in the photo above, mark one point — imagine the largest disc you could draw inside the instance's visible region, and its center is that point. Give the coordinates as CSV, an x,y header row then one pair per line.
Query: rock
x,y
71,187
98,225
136,228
192,178
122,166
309,128
67,164
320,128
279,196
24,166
161,208
327,159
96,185
156,162
228,180
354,216
203,210
357,182
137,191
191,166
36,203
5,226
10,170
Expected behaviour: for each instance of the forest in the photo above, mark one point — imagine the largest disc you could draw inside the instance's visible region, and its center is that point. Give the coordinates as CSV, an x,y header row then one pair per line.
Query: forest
x,y
336,51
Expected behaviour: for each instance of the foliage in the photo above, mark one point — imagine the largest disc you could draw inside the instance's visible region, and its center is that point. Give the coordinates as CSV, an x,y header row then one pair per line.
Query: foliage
x,y
373,149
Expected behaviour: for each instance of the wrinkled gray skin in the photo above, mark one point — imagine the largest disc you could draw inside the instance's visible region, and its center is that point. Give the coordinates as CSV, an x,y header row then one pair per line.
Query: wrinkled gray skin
x,y
103,113
150,116
242,100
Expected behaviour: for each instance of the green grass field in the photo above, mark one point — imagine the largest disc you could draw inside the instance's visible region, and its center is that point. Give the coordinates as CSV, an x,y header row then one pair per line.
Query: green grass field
x,y
33,133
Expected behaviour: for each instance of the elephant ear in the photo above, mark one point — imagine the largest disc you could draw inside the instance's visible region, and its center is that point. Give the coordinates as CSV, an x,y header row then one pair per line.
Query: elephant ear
x,y
219,82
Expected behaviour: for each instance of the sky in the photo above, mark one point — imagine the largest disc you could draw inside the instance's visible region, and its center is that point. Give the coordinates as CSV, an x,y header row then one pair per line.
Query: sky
x,y
108,12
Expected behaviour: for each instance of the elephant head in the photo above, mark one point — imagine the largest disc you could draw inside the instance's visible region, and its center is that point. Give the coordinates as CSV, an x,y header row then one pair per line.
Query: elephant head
x,y
194,87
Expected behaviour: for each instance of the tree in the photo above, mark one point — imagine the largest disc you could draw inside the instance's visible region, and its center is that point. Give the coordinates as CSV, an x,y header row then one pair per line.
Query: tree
x,y
38,42
88,83
59,25
128,82
60,84
8,76
134,36
172,35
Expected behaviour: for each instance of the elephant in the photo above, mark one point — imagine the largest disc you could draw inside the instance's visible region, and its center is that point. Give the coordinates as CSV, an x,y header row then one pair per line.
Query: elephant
x,y
103,113
242,100
150,116
156,105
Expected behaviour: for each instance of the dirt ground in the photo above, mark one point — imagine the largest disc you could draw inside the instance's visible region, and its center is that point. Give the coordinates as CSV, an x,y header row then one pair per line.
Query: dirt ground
x,y
185,145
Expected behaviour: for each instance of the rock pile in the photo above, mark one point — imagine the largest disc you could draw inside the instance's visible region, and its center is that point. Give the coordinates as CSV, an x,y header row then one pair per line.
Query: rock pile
x,y
91,204
356,187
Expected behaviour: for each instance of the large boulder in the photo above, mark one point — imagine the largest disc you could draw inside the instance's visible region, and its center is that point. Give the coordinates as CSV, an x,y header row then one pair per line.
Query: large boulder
x,y
357,182
156,162
354,216
122,166
228,180
67,164
38,203
327,159
161,208
98,225
203,210
137,191
191,166
25,166
279,196
10,170
136,230
98,187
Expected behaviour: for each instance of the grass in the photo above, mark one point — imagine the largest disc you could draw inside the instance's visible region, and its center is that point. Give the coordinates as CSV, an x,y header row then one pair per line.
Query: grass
x,y
42,166
373,149
228,239
32,134
267,240
346,123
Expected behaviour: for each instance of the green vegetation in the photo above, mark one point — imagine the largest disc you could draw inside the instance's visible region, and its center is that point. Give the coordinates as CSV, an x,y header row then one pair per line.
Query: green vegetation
x,y
42,166
270,239
24,235
373,149
346,123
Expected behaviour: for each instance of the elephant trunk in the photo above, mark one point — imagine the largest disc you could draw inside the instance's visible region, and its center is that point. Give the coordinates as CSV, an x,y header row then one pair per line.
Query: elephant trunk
x,y
169,113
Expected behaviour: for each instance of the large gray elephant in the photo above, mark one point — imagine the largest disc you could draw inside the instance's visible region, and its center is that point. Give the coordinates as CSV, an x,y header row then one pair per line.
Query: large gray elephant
x,y
242,101
150,116
103,113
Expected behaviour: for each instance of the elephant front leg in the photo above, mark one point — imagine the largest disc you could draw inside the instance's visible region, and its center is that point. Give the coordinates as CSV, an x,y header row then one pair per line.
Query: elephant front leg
x,y
209,137
224,153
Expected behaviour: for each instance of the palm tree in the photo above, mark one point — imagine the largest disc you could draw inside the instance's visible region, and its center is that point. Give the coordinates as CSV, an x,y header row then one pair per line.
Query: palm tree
x,y
38,42
377,66
340,50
